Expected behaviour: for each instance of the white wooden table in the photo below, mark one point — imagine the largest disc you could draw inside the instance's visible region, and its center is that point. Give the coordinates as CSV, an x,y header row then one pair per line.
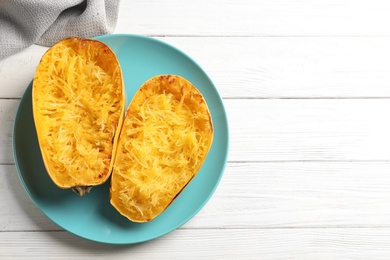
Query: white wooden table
x,y
306,85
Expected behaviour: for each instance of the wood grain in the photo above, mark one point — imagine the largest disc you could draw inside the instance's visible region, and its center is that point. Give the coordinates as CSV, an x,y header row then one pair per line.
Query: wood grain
x,y
339,243
313,129
255,18
17,71
299,195
8,110
293,67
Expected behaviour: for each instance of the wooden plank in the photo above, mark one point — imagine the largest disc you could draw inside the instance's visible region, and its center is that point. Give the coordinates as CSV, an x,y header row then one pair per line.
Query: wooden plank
x,y
256,195
262,67
17,71
285,129
255,18
313,129
297,67
299,195
19,212
7,117
339,243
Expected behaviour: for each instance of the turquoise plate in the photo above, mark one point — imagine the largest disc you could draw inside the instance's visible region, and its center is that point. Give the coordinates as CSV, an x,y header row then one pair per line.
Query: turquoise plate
x,y
92,216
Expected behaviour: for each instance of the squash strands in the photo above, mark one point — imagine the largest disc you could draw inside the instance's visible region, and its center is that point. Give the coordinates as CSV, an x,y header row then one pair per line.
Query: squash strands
x,y
78,108
165,138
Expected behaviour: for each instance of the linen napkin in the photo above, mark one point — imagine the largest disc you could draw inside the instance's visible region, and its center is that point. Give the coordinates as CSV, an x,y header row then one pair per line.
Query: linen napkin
x,y
45,22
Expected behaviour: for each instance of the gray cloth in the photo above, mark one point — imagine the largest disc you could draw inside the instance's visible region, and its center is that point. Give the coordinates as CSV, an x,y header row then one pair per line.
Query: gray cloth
x,y
45,22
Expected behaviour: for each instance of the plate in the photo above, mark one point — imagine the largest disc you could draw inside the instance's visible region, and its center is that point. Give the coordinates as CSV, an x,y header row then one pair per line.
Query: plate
x,y
92,216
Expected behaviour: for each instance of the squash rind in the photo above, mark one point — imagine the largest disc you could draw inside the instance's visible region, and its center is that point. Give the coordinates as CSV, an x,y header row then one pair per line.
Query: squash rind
x,y
165,138
76,80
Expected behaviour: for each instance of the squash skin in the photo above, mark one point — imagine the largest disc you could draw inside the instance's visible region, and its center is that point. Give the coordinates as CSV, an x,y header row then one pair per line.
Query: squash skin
x,y
132,188
45,94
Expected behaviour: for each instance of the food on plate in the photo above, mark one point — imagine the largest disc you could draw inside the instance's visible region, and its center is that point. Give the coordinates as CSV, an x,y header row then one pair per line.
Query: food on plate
x,y
165,138
78,109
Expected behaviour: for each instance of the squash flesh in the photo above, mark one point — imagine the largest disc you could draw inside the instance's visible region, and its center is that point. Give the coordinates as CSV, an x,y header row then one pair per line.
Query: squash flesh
x,y
78,106
164,141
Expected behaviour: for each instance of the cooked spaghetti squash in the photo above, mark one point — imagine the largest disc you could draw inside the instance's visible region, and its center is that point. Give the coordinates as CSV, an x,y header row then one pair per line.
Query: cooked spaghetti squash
x,y
78,108
165,138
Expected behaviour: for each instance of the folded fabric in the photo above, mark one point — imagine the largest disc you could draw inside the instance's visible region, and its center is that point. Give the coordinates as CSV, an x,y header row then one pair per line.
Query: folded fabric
x,y
45,22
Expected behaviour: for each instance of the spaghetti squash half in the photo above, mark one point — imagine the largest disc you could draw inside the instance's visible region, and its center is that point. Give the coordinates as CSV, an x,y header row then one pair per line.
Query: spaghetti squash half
x,y
78,108
165,138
